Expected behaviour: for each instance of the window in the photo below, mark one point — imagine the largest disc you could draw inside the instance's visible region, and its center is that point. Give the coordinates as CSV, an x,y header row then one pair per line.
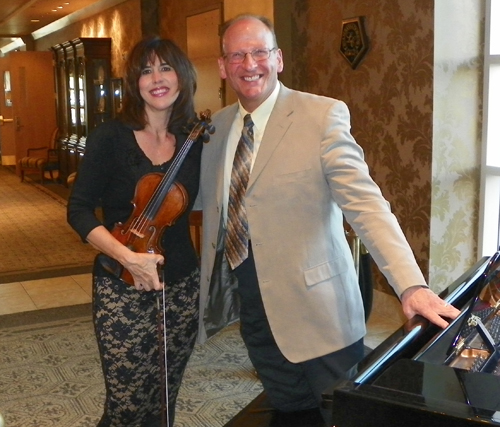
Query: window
x,y
489,212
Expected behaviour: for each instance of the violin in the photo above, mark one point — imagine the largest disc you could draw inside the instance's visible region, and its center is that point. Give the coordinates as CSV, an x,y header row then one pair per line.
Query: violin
x,y
158,202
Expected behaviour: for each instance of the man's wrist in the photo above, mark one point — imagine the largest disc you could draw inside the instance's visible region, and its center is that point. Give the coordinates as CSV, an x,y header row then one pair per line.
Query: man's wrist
x,y
412,289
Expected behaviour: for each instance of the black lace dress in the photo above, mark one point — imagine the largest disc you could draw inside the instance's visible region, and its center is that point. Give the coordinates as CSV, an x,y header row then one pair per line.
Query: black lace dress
x,y
126,319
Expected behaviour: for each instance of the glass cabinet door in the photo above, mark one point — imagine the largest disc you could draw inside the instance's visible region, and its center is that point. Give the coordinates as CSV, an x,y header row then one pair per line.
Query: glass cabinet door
x,y
101,90
82,104
72,91
62,101
83,71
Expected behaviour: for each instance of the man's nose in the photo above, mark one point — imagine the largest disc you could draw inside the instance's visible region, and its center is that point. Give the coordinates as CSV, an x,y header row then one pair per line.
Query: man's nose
x,y
248,60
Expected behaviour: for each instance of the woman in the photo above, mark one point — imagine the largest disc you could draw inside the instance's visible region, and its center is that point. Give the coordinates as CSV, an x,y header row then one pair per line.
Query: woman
x,y
158,104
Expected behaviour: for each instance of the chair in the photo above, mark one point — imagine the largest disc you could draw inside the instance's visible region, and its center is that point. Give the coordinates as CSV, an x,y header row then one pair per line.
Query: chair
x,y
362,264
71,179
195,224
41,159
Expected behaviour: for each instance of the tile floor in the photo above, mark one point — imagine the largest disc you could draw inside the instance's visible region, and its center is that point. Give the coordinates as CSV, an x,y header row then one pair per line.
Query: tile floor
x,y
45,293
386,316
17,297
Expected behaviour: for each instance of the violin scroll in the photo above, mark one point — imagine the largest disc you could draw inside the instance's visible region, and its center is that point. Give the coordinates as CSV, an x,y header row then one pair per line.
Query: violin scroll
x,y
206,126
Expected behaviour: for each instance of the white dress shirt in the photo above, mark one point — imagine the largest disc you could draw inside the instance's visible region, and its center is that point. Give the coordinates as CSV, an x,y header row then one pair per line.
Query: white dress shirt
x,y
260,116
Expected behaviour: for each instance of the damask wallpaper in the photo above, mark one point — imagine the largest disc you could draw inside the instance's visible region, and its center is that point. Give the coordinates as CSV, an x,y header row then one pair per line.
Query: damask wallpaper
x,y
414,111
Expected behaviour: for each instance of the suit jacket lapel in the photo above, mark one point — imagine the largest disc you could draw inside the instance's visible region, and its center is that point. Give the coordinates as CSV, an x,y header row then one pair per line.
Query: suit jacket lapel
x,y
276,128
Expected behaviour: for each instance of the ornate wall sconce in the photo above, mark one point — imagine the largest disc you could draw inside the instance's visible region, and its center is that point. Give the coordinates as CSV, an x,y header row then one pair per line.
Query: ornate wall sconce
x,y
353,40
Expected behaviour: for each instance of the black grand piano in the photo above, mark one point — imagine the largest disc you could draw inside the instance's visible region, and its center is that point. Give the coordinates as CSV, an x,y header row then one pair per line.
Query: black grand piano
x,y
424,376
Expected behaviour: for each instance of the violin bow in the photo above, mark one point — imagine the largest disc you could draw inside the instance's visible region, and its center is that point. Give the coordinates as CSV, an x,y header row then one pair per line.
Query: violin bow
x,y
201,127
162,342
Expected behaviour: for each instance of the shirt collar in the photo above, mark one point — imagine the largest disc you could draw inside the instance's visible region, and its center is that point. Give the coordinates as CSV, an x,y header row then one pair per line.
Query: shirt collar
x,y
261,114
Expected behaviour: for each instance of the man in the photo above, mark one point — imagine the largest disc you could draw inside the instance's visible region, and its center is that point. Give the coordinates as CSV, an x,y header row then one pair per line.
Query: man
x,y
301,311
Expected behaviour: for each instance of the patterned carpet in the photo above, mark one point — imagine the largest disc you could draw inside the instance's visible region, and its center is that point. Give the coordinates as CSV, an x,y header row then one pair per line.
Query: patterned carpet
x,y
50,373
35,239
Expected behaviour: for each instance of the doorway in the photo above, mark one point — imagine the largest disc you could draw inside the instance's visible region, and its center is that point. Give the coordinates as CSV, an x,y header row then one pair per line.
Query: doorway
x,y
27,103
203,51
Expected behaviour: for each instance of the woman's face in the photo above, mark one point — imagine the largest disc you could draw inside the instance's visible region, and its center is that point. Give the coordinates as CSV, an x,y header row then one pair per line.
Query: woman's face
x,y
158,86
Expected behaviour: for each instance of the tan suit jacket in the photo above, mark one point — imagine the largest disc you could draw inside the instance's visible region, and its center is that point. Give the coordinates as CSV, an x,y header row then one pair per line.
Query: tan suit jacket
x,y
308,171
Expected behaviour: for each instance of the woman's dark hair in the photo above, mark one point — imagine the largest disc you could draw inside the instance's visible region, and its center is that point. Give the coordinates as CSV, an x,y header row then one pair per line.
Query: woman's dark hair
x,y
140,57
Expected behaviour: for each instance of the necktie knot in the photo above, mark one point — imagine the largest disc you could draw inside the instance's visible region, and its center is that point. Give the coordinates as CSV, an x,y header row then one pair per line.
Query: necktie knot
x,y
248,124
247,121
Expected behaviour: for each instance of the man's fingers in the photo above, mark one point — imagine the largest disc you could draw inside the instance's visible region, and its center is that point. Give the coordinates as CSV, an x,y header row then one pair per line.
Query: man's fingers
x,y
427,304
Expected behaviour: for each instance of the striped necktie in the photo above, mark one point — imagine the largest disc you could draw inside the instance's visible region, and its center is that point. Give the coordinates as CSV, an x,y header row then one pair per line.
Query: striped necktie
x,y
237,225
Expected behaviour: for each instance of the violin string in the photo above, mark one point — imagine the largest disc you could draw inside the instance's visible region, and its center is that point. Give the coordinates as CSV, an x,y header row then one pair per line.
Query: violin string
x,y
155,200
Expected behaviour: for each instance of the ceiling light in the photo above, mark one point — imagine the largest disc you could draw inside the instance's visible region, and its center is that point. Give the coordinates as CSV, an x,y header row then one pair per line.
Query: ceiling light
x,y
17,43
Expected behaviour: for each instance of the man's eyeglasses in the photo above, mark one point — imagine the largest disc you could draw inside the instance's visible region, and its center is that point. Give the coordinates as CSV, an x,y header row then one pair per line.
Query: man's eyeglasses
x,y
257,55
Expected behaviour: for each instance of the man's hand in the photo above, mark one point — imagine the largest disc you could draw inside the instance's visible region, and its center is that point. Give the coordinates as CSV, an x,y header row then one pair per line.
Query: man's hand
x,y
422,301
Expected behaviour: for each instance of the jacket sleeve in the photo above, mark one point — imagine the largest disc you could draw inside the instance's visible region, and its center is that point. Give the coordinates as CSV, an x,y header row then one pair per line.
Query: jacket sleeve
x,y
363,204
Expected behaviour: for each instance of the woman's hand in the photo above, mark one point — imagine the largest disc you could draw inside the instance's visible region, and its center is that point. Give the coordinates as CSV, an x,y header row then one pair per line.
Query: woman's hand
x,y
142,266
144,270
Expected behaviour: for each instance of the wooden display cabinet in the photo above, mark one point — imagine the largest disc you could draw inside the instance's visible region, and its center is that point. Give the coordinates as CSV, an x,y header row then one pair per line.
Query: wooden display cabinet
x,y
83,81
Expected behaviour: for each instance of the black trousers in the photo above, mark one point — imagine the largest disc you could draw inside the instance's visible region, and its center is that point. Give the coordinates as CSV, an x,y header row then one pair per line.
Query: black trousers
x,y
289,386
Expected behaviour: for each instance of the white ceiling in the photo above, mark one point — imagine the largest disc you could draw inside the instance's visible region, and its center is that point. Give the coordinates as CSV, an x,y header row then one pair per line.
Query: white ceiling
x,y
22,18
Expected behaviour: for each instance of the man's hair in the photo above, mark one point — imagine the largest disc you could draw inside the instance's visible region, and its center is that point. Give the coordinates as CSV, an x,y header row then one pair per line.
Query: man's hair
x,y
266,21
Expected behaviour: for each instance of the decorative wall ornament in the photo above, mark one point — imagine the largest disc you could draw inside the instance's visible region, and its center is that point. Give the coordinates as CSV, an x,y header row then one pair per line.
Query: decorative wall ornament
x,y
353,40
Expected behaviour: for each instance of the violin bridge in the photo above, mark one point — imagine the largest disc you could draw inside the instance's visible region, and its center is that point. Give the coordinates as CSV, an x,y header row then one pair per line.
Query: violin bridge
x,y
135,232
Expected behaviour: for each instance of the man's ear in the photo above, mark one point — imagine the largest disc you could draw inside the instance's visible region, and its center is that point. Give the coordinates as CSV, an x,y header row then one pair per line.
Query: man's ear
x,y
280,61
222,68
